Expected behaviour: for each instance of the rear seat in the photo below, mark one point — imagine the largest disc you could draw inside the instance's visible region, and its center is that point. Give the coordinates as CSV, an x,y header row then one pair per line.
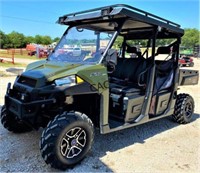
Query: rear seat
x,y
124,79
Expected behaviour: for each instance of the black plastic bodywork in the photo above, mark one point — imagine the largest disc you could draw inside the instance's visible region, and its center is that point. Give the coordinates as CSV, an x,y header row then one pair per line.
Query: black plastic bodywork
x,y
38,102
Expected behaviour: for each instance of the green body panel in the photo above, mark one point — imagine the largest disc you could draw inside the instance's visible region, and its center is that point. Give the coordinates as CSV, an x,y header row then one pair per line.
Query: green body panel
x,y
94,74
34,65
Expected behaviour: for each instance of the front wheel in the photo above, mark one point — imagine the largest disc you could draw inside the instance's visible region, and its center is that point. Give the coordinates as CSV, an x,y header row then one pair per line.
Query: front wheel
x,y
184,108
66,140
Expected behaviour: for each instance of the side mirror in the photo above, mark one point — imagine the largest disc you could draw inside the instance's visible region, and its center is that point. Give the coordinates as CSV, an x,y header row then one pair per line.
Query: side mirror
x,y
111,60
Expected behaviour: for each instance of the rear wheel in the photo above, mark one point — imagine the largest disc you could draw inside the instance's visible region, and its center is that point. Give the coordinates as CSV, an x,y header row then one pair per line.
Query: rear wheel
x,y
11,123
184,108
66,140
191,64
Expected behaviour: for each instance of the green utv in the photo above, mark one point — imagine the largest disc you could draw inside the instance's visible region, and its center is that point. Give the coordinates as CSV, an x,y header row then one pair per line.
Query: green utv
x,y
126,78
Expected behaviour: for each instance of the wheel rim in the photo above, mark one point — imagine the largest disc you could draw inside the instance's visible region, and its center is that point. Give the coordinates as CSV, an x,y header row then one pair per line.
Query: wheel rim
x,y
188,109
73,142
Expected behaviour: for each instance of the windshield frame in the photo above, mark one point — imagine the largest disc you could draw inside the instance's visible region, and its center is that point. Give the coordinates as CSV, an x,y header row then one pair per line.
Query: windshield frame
x,y
108,46
66,31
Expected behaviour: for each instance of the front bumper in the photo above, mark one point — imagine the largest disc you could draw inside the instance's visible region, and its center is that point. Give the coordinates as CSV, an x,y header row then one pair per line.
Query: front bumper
x,y
25,110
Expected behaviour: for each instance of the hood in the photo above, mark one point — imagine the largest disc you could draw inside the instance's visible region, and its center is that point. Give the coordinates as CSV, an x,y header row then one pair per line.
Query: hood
x,y
49,68
47,71
42,73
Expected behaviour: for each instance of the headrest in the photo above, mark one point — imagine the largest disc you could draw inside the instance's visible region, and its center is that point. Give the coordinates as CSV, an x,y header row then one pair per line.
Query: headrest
x,y
131,49
164,50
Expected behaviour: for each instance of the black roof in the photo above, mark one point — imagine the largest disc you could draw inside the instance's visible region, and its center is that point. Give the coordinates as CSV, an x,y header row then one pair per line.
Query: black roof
x,y
137,21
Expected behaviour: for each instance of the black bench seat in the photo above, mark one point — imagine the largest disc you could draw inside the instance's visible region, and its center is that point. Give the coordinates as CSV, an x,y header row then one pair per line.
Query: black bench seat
x,y
124,80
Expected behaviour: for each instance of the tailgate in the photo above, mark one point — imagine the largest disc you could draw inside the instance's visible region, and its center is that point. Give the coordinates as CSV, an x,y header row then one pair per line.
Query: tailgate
x,y
188,77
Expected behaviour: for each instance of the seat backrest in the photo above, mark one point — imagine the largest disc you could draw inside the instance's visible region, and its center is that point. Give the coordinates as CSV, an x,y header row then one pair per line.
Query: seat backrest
x,y
163,50
129,69
118,68
133,50
132,68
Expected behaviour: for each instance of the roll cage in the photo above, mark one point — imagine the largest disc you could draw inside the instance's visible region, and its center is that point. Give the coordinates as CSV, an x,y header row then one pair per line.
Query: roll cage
x,y
127,21
119,12
133,24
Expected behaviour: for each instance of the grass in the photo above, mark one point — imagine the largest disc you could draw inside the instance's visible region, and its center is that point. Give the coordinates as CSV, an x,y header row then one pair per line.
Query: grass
x,y
5,53
18,56
26,57
9,64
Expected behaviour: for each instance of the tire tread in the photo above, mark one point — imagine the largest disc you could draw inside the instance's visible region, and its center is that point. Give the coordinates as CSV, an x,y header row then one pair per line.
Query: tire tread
x,y
12,124
51,133
179,108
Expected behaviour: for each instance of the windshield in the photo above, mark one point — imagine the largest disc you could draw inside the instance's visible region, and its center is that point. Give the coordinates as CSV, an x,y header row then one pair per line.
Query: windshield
x,y
80,46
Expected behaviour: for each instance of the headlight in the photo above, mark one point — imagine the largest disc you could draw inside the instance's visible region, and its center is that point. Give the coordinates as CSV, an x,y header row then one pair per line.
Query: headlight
x,y
68,81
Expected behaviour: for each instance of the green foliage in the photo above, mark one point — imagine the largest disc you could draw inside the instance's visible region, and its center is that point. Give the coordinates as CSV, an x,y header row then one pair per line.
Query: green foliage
x,y
38,39
30,39
4,40
56,39
46,40
118,42
18,40
191,38
163,42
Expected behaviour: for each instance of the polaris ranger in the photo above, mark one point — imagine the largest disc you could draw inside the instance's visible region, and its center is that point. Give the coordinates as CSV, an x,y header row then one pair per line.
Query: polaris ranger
x,y
110,89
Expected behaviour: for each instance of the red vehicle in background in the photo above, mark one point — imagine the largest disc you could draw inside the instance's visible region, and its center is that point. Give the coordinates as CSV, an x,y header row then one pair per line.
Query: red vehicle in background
x,y
38,50
31,48
185,60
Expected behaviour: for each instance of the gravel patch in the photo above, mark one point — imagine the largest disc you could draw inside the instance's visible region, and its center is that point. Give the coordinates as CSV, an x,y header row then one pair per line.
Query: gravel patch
x,y
148,147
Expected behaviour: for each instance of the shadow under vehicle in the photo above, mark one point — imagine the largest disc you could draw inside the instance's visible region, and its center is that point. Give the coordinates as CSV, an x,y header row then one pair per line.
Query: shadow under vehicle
x,y
70,95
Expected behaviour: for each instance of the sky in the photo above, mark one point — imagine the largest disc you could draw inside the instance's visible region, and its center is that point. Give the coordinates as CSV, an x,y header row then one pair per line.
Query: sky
x,y
32,17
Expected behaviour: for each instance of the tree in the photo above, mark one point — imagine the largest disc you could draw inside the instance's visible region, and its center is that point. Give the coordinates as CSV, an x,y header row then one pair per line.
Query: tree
x,y
46,40
190,38
38,39
2,39
29,39
16,40
56,39
43,39
118,42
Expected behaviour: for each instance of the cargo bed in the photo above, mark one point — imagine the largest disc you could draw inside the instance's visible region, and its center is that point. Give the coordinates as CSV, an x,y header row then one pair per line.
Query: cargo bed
x,y
188,77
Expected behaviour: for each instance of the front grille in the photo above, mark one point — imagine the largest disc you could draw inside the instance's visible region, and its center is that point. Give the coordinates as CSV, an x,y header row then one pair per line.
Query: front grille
x,y
27,81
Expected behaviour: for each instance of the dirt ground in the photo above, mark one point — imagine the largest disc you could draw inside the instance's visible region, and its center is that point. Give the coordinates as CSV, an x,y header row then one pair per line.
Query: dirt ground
x,y
159,146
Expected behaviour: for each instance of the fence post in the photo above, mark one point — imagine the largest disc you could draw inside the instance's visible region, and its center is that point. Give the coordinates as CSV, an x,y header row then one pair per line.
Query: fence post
x,y
13,58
